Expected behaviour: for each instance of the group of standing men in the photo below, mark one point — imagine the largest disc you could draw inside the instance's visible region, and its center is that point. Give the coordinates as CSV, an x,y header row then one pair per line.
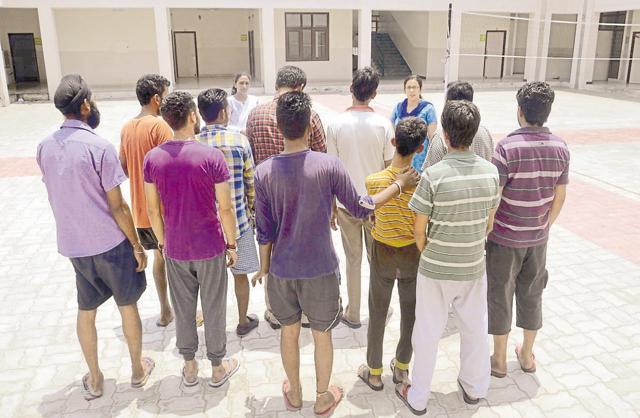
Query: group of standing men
x,y
198,199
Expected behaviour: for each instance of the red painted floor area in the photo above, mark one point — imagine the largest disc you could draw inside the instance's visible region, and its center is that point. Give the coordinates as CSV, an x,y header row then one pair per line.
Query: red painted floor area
x,y
18,167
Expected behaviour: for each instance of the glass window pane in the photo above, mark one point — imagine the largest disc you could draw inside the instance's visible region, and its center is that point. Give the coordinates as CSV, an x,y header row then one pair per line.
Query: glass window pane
x,y
293,44
306,43
306,20
320,20
292,20
321,45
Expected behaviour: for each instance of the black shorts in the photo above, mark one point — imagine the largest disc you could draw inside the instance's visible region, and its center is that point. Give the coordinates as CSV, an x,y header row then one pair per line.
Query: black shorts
x,y
112,273
147,238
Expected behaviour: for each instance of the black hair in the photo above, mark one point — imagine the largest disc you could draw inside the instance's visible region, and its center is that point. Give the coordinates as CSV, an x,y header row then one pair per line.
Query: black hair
x,y
176,107
71,94
149,85
413,77
459,90
535,100
365,83
460,121
234,90
290,76
210,103
410,134
293,114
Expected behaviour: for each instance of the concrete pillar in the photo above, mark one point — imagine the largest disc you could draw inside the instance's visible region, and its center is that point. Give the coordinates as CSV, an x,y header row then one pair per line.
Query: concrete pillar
x,y
577,46
589,45
163,43
50,50
364,38
452,65
544,43
4,89
533,42
268,49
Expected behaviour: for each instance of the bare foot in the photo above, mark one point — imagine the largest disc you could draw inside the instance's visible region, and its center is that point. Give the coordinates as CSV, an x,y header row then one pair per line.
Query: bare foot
x,y
165,318
327,401
138,380
220,374
498,368
190,372
92,386
292,396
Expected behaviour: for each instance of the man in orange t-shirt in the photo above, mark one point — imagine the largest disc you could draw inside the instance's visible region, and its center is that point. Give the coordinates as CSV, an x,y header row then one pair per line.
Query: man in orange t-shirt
x,y
139,136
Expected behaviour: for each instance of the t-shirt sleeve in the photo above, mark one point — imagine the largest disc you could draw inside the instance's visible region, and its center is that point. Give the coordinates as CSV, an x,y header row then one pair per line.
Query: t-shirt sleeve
x,y
422,200
430,115
344,190
394,116
218,166
500,161
266,226
435,151
147,169
110,170
388,149
318,138
162,132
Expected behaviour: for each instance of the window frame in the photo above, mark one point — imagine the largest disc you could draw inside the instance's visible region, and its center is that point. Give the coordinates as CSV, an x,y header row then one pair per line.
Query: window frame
x,y
299,30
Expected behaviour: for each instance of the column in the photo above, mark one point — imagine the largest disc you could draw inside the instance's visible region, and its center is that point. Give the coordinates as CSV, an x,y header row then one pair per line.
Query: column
x,y
4,90
589,45
364,38
268,50
452,65
577,46
533,38
163,43
50,50
544,49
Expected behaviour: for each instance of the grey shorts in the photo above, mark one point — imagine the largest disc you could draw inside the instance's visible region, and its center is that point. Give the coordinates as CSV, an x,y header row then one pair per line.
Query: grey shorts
x,y
519,271
318,298
248,261
112,273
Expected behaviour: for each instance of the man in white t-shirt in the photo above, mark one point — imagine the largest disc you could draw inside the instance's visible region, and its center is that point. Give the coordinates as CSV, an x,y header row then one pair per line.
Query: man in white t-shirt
x,y
361,139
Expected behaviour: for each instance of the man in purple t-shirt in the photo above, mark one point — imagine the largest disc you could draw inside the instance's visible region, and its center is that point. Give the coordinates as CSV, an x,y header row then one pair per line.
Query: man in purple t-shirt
x,y
534,171
188,178
294,197
94,226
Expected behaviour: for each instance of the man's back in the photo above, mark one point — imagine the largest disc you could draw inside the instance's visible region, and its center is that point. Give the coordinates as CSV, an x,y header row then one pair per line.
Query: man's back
x,y
294,194
79,168
185,173
137,137
531,162
361,139
482,146
237,154
266,139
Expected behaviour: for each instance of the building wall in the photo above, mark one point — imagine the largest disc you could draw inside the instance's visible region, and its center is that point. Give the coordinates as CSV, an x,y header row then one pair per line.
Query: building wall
x,y
473,27
340,40
20,21
437,41
107,46
561,39
410,31
223,48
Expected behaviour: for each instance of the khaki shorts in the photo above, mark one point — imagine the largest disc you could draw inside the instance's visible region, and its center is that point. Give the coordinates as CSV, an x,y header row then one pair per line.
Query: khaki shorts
x,y
515,271
318,298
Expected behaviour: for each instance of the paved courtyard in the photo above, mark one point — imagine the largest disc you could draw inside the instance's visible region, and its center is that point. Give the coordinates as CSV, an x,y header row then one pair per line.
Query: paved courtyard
x,y
588,350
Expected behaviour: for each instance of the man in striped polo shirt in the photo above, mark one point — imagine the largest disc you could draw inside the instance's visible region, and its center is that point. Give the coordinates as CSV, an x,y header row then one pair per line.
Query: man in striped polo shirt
x,y
534,169
213,107
456,199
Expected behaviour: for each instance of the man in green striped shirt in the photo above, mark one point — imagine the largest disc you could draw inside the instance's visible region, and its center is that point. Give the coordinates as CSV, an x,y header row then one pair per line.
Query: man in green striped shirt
x,y
454,202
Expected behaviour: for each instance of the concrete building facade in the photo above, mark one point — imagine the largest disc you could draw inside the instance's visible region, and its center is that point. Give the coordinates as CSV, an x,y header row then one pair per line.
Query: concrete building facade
x,y
202,42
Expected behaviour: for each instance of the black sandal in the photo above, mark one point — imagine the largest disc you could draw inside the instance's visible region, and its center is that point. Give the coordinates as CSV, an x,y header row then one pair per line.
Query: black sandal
x,y
403,397
364,373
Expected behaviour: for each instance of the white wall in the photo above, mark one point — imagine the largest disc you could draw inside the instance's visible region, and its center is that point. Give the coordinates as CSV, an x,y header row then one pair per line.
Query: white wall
x,y
340,40
470,42
221,50
410,31
561,39
107,46
20,21
437,41
520,46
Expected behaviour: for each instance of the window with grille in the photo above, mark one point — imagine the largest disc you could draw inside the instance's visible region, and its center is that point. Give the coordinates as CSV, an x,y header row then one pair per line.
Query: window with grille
x,y
307,36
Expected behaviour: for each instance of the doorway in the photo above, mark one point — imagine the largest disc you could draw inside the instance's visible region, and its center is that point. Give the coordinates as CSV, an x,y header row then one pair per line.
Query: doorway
x,y
495,42
633,72
252,55
23,57
185,50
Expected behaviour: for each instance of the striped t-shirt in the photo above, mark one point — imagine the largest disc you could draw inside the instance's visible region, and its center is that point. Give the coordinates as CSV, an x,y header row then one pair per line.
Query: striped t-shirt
x,y
531,162
393,224
456,195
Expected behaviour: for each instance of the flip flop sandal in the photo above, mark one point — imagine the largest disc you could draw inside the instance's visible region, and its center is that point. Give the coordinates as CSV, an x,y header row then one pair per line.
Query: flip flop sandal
x,y
87,392
242,330
161,325
465,396
392,366
352,325
498,374
150,366
287,403
186,382
403,397
226,376
337,397
533,358
364,373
